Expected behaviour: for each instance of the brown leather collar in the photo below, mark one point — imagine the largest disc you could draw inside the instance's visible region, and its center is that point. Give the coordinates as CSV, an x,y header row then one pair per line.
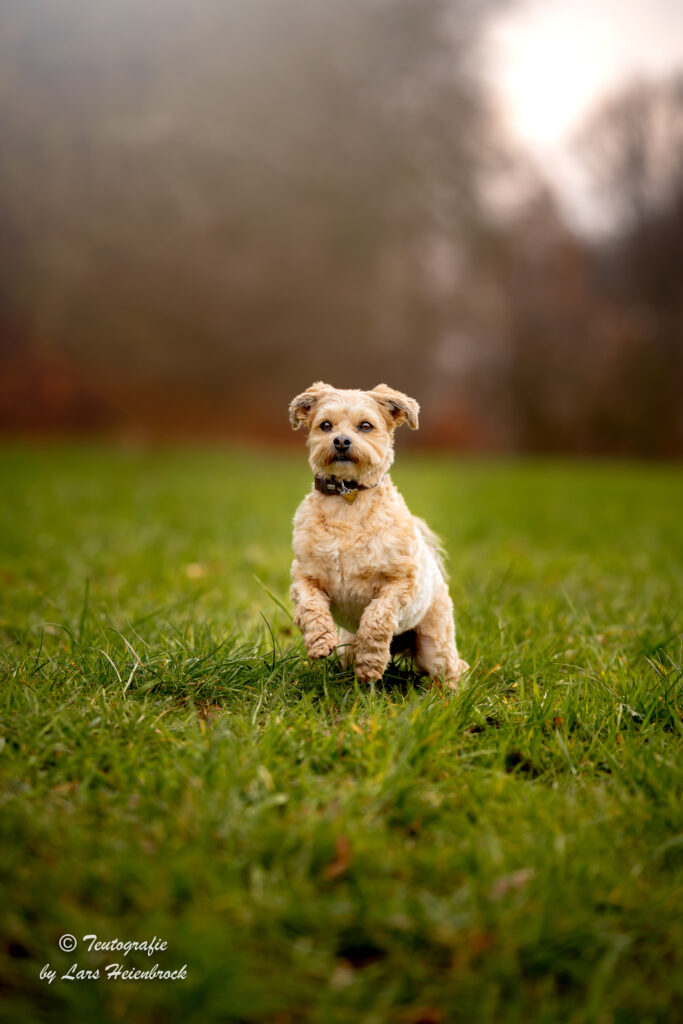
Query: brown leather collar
x,y
347,489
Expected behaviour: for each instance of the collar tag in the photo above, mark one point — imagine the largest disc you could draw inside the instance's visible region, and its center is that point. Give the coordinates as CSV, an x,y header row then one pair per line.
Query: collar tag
x,y
350,495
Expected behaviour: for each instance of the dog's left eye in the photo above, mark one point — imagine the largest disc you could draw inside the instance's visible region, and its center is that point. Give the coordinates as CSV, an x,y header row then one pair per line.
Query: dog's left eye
x,y
365,425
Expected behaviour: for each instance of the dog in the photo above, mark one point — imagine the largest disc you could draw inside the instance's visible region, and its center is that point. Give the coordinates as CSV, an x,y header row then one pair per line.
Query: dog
x,y
368,577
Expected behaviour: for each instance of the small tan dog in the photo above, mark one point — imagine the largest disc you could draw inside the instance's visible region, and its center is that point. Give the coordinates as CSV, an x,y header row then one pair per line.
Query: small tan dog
x,y
363,562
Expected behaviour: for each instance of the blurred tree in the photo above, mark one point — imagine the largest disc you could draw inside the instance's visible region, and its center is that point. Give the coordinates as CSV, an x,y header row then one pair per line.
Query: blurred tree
x,y
633,146
591,328
205,206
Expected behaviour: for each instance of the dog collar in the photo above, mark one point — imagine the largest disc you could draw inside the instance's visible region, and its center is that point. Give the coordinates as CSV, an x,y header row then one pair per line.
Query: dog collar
x,y
347,489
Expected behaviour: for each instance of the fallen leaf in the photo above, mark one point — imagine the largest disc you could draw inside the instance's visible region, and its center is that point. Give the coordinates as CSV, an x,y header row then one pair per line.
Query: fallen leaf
x,y
341,863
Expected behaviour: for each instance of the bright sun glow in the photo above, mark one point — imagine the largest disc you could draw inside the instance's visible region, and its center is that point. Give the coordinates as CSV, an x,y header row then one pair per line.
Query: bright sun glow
x,y
553,60
546,77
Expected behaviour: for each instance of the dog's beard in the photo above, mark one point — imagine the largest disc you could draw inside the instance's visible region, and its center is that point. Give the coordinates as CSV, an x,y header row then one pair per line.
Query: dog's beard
x,y
346,467
331,456
343,458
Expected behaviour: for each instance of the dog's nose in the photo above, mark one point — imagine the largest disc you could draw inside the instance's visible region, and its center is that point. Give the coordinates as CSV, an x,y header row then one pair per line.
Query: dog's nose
x,y
342,443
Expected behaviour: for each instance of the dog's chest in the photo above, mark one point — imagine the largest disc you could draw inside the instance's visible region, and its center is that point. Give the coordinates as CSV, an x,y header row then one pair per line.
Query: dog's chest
x,y
347,560
352,556
355,575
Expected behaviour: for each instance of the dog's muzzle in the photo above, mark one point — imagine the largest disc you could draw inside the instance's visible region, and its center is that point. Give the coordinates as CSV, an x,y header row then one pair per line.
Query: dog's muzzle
x,y
342,445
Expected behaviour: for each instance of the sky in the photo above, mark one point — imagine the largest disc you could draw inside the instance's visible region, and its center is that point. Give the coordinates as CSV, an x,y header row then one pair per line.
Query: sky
x,y
552,60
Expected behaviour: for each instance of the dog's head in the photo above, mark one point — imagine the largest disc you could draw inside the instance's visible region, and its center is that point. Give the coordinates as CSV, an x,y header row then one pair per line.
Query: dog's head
x,y
351,433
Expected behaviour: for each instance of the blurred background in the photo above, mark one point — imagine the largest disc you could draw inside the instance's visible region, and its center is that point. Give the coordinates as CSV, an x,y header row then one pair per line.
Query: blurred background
x,y
205,207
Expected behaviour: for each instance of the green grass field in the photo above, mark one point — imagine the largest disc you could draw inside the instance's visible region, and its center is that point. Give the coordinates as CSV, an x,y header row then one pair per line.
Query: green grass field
x,y
313,850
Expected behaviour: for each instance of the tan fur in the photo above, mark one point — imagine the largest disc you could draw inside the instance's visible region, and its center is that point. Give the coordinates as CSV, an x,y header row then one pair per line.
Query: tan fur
x,y
368,570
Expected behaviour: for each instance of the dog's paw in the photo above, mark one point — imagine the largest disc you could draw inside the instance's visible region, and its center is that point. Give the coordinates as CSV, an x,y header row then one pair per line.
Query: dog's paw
x,y
456,674
322,645
369,668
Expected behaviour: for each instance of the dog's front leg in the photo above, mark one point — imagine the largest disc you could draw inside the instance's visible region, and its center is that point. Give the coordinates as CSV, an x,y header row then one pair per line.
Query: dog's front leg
x,y
312,616
371,646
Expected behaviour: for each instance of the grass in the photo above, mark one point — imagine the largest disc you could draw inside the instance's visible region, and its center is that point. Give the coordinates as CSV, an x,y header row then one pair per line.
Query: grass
x,y
313,850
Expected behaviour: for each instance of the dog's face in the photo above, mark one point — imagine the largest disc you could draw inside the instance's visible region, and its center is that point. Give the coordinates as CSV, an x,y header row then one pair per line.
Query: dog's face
x,y
351,433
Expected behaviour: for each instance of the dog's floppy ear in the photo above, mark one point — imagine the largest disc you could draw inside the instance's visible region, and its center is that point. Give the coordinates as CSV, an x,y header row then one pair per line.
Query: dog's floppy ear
x,y
399,408
300,408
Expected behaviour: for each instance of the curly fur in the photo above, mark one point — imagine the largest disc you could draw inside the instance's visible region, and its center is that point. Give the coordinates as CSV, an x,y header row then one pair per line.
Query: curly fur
x,y
366,571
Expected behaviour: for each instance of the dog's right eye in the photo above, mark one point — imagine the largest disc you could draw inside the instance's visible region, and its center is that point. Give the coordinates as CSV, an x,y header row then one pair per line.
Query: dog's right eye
x,y
326,425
